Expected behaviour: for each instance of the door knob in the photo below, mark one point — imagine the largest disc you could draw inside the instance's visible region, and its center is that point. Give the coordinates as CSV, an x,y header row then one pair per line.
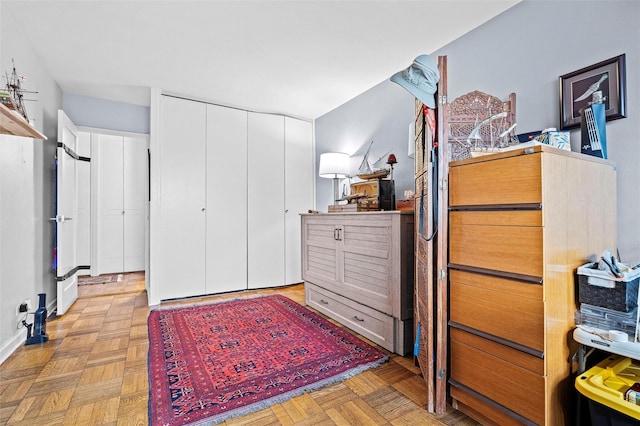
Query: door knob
x,y
60,218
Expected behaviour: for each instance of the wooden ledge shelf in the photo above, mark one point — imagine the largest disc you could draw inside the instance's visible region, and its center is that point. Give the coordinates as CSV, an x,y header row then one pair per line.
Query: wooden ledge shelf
x,y
13,124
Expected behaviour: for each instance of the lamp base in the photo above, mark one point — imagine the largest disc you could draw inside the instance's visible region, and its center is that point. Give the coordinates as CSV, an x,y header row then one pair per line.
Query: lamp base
x,y
336,194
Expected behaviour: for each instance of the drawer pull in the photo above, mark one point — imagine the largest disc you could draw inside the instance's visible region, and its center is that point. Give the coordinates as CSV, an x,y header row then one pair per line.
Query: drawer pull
x,y
355,317
500,274
324,302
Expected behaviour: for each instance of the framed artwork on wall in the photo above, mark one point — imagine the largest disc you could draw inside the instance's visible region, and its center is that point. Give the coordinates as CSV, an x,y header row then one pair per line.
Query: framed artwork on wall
x,y
577,87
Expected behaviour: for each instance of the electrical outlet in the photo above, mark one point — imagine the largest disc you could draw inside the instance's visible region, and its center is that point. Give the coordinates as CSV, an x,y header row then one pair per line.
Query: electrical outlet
x,y
23,307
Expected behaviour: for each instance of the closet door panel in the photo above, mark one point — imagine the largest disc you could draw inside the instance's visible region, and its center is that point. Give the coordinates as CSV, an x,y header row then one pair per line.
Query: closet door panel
x,y
226,219
83,247
181,222
135,200
298,191
265,191
109,163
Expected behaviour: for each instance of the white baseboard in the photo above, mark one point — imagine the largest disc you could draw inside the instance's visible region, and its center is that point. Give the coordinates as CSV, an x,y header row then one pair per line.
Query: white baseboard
x,y
9,347
20,336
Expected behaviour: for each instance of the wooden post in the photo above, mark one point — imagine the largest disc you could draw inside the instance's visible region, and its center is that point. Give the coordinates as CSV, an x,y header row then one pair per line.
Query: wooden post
x,y
441,278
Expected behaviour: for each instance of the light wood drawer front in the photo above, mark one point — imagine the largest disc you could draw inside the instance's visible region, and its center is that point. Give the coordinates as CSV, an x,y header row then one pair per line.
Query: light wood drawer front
x,y
513,180
497,217
483,412
515,249
513,356
502,314
368,322
505,383
502,285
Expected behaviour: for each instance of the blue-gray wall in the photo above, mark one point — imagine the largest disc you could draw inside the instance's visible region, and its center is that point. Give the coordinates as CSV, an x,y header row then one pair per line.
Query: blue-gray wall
x,y
382,115
523,50
106,114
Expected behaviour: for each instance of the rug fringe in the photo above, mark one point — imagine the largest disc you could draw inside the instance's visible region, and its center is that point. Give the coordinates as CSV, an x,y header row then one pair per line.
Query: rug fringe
x,y
219,418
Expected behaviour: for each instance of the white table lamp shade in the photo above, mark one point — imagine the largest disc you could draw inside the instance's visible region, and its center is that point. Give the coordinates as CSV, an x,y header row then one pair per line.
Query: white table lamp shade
x,y
334,165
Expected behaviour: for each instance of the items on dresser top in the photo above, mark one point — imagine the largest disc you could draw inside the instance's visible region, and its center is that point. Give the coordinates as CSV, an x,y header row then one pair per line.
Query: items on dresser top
x,y
373,194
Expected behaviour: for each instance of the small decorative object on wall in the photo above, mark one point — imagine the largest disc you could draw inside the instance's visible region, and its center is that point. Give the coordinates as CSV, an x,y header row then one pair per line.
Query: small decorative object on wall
x,y
576,89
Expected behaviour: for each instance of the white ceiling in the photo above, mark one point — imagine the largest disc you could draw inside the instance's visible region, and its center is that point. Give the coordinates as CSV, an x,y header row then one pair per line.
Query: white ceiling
x,y
302,58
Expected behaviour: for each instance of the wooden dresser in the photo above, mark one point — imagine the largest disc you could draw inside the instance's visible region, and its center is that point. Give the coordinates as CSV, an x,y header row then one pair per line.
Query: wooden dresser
x,y
358,270
520,223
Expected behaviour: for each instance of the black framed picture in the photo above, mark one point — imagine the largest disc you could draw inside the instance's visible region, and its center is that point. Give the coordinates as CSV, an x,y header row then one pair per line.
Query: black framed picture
x,y
576,89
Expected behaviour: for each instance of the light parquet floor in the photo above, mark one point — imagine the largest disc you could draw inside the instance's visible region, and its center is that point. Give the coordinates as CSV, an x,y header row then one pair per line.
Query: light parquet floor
x,y
93,371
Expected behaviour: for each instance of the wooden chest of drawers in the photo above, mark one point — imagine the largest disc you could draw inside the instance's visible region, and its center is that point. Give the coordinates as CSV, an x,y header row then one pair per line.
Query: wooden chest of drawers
x,y
519,226
358,269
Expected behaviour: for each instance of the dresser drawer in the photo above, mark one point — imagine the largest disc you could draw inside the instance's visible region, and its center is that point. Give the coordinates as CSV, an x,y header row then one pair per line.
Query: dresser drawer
x,y
496,217
486,368
513,180
513,249
480,409
368,322
507,309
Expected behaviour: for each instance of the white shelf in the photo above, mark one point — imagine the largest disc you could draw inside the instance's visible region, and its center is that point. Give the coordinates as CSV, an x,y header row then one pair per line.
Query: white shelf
x,y
13,124
598,339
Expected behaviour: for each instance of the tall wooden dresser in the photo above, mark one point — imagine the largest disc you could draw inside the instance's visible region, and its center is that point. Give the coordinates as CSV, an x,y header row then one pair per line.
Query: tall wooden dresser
x,y
358,270
520,223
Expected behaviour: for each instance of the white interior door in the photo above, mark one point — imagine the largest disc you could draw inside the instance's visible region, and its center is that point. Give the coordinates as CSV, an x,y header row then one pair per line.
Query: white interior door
x,y
66,214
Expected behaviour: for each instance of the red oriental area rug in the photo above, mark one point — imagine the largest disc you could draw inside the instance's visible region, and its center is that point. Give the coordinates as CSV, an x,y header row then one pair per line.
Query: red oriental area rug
x,y
211,362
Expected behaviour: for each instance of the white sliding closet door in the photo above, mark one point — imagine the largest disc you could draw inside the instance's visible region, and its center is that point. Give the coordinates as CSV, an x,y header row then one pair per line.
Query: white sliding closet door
x,y
135,198
226,243
266,201
108,162
298,190
84,201
121,195
180,236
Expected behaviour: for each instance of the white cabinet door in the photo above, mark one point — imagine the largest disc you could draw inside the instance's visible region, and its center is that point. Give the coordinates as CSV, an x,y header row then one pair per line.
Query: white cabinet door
x,y
298,190
135,198
226,238
265,201
180,236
